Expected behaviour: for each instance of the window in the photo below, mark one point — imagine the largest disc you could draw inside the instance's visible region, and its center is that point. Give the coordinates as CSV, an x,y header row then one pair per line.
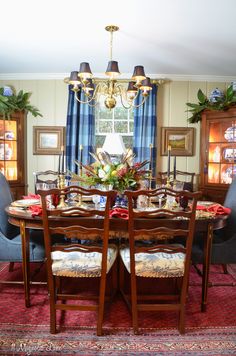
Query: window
x,y
118,120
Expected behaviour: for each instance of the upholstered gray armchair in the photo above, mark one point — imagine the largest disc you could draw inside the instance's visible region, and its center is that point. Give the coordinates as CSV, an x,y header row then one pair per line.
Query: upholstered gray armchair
x,y
10,240
224,240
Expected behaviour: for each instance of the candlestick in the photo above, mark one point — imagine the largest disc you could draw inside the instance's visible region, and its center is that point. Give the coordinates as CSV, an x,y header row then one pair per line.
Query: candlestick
x,y
81,151
63,160
168,163
150,159
174,170
59,164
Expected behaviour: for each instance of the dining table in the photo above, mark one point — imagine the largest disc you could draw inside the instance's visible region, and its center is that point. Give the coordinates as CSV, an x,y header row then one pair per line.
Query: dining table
x,y
118,229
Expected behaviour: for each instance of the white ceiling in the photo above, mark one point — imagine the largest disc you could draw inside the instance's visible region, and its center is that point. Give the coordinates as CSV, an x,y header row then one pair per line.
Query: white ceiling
x,y
174,37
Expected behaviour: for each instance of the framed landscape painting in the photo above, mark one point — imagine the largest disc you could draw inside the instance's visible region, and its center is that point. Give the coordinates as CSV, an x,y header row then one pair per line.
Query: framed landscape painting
x,y
48,140
180,139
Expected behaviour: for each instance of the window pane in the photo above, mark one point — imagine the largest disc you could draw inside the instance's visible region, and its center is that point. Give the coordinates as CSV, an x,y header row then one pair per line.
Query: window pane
x,y
131,126
105,126
128,141
121,127
99,141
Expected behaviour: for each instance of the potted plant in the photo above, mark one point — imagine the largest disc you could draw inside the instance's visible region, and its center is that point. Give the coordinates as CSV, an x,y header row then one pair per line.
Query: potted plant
x,y
11,101
220,103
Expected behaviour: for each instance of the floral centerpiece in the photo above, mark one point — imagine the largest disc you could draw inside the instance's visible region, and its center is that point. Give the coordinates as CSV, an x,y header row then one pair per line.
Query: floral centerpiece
x,y
119,175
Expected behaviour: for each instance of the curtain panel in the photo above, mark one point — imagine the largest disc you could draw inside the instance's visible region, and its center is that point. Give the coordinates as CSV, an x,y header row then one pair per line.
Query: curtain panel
x,y
145,128
80,130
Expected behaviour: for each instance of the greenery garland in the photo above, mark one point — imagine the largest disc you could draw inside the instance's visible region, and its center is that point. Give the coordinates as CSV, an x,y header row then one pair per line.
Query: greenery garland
x,y
221,103
12,101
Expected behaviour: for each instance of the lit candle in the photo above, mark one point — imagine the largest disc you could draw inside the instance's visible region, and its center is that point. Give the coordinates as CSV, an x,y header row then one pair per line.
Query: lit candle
x,y
150,159
81,151
63,160
168,163
174,167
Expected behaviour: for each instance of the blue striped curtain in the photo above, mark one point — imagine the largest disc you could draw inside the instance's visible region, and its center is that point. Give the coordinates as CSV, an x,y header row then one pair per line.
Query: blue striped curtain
x,y
80,130
145,129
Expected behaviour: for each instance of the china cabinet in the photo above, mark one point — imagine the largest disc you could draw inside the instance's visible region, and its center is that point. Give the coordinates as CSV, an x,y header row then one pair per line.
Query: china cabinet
x,y
13,152
218,153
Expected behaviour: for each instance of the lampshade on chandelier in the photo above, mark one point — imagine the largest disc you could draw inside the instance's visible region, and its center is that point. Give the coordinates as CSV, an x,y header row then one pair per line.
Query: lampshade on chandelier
x,y
111,89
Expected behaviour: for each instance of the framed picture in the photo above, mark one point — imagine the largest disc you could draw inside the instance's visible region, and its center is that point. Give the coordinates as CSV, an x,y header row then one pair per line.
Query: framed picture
x,y
181,140
48,140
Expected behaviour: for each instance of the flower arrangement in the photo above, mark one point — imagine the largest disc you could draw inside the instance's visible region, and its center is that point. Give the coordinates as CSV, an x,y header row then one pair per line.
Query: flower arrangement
x,y
120,175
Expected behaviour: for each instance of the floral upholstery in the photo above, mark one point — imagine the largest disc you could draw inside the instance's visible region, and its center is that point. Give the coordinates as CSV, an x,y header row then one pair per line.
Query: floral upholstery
x,y
80,264
157,265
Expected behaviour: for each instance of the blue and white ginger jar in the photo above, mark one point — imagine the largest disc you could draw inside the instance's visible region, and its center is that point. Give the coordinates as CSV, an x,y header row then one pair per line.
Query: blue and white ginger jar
x,y
215,95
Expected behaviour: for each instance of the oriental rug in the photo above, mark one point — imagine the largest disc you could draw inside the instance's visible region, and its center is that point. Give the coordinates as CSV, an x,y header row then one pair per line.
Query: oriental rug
x,y
25,331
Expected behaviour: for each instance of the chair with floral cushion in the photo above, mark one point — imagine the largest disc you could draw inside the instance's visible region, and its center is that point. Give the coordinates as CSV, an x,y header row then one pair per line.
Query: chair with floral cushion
x,y
92,257
163,258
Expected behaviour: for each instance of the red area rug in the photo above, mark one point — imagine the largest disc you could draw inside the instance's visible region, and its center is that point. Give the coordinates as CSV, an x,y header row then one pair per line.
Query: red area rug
x,y
25,331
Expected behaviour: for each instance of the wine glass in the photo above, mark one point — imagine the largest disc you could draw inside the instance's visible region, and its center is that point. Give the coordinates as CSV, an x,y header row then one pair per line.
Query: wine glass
x,y
96,201
160,195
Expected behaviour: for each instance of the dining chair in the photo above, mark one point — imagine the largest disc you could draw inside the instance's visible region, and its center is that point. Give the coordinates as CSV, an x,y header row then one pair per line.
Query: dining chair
x,y
85,254
224,240
186,178
49,178
161,259
10,239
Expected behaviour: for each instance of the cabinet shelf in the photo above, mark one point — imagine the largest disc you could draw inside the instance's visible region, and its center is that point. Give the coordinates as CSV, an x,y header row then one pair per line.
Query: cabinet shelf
x,y
13,152
218,153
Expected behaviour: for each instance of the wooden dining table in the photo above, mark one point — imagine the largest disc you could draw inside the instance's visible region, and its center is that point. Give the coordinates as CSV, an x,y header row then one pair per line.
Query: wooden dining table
x,y
119,229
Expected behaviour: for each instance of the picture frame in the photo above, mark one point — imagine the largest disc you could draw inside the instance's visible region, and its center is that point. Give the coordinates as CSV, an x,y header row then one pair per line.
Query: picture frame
x,y
48,140
181,140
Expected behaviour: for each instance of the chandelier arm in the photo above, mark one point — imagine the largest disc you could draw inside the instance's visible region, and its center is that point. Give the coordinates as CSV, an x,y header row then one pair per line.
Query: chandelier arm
x,y
120,90
132,105
143,101
89,100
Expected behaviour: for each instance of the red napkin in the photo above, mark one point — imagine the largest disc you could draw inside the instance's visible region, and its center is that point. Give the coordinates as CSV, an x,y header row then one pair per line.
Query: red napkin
x,y
119,213
31,196
35,210
215,208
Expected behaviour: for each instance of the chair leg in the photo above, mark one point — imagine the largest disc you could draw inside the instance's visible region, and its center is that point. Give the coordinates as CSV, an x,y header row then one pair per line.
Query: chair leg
x,y
182,320
102,291
224,266
11,266
134,304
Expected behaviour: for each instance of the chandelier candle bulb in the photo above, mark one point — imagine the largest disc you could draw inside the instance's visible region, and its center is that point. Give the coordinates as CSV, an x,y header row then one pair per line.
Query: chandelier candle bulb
x,y
168,162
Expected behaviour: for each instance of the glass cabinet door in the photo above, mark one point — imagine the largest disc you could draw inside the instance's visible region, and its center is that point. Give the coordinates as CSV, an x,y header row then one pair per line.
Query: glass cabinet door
x,y
221,152
8,148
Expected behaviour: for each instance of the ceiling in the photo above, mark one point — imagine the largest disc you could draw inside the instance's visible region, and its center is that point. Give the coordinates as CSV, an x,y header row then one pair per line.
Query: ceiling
x,y
170,38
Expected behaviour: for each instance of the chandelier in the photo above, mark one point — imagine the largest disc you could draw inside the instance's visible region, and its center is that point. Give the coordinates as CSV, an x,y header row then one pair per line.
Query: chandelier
x,y
111,88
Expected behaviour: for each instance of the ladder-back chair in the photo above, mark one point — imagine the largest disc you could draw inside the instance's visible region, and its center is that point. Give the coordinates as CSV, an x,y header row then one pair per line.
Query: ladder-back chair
x,y
92,257
163,258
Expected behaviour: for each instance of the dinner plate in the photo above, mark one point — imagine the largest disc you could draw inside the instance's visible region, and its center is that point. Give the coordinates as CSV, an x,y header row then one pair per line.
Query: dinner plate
x,y
205,203
26,202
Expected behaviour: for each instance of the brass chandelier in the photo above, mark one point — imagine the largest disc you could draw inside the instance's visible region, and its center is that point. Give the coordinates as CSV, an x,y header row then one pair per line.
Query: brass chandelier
x,y
111,88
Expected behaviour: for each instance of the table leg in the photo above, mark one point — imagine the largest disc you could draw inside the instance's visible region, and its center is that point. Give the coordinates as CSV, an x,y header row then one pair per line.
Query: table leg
x,y
25,261
206,266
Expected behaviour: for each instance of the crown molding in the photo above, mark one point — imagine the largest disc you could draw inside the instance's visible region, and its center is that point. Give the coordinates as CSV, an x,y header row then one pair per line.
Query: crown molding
x,y
165,77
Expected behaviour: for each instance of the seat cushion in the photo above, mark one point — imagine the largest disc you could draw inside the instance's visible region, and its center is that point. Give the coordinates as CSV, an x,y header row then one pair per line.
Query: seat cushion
x,y
80,264
156,265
